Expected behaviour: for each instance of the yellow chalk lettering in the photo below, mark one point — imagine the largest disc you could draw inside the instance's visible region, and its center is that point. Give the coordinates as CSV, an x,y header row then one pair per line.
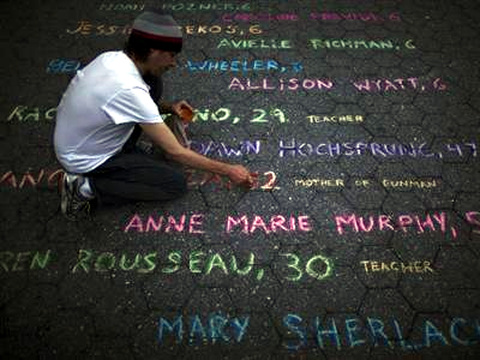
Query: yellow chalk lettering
x,y
418,266
365,264
426,266
375,266
406,268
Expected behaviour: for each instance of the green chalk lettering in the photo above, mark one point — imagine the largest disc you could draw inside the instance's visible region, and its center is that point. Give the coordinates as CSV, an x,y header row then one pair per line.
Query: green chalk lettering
x,y
84,256
22,257
5,257
150,261
194,260
293,264
124,262
40,260
175,257
105,261
319,275
216,261
248,267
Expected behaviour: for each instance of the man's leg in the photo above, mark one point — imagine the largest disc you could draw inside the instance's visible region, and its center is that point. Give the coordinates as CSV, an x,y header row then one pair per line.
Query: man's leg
x,y
135,176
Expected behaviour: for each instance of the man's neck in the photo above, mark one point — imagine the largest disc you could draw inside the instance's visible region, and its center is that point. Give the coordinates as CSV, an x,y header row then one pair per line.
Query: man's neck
x,y
140,65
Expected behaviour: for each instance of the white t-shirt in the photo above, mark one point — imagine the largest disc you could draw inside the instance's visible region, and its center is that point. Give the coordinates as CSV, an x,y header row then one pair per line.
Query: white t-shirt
x,y
99,110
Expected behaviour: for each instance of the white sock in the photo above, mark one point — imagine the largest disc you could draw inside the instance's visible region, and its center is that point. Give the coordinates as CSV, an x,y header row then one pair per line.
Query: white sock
x,y
85,189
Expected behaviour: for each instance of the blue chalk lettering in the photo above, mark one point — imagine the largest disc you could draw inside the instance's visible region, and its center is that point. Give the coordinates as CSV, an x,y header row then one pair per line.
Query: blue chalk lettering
x,y
224,65
240,327
360,147
319,152
390,149
291,321
332,333
334,149
234,65
308,147
454,332
191,66
349,149
473,147
431,332
272,65
258,65
71,66
423,150
455,148
176,327
403,343
352,327
197,330
477,328
283,148
377,149
376,329
229,151
217,324
297,66
248,147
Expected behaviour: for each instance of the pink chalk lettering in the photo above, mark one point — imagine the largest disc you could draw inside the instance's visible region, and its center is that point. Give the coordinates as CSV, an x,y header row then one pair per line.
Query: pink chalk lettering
x,y
28,178
195,220
232,222
473,218
151,224
274,224
135,223
9,177
278,221
371,223
172,223
304,223
384,222
428,223
386,85
404,221
340,220
259,223
280,84
442,220
56,176
166,224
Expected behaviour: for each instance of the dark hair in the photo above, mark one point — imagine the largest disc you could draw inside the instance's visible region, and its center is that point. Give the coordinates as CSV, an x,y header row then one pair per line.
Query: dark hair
x,y
139,47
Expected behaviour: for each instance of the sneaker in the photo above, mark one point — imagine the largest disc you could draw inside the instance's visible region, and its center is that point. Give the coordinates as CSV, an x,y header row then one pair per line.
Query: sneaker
x,y
73,204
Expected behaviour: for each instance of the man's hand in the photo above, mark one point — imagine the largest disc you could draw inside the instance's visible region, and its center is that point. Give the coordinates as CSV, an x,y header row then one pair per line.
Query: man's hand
x,y
161,135
183,109
239,175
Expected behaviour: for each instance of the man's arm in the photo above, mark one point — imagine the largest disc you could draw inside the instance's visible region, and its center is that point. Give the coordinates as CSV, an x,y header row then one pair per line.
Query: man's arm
x,y
162,136
181,108
164,107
